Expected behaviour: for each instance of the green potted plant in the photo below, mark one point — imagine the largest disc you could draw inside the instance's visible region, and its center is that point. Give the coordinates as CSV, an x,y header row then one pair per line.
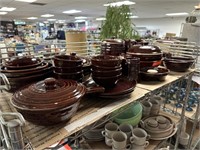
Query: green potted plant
x,y
118,24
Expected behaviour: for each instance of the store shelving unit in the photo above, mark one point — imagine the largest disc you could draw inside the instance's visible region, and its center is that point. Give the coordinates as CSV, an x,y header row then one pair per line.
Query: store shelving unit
x,y
91,110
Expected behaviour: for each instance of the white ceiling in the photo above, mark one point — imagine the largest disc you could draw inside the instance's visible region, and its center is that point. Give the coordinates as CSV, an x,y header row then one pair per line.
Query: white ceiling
x,y
94,8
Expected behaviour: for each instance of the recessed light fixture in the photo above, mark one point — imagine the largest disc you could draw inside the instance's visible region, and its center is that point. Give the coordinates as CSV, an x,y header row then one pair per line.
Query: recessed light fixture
x,y
3,13
32,18
27,1
120,3
81,17
80,20
47,15
73,11
51,19
133,17
177,14
100,19
7,8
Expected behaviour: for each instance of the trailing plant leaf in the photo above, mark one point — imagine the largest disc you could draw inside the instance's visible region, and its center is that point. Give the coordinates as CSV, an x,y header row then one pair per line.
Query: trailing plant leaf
x,y
118,24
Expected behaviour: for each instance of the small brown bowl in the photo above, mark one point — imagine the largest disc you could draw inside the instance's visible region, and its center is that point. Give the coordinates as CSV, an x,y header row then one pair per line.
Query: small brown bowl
x,y
106,61
107,82
100,68
178,64
153,74
67,69
67,61
110,73
74,76
22,63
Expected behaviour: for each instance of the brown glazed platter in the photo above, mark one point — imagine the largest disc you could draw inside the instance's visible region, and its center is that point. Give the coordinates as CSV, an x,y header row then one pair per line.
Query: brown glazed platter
x,y
45,67
22,63
123,88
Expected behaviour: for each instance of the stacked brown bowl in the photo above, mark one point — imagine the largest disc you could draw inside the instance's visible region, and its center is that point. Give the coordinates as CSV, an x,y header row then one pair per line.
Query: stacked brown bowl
x,y
68,67
106,70
178,63
49,101
113,47
25,70
150,56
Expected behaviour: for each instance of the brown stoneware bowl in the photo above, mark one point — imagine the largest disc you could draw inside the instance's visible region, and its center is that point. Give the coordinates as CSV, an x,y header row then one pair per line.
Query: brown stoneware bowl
x,y
107,82
67,61
178,64
49,101
102,68
153,74
74,76
106,61
106,73
68,69
22,63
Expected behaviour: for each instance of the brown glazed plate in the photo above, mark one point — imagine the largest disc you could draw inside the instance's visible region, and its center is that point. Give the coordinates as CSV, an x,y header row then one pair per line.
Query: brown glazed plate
x,y
45,67
123,87
22,63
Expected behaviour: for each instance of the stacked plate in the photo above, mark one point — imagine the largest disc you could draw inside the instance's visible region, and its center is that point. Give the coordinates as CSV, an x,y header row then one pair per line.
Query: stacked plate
x,y
49,101
68,67
150,56
23,70
106,70
113,47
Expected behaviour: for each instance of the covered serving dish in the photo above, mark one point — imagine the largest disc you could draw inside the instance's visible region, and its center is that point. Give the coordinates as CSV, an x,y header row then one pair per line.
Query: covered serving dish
x,y
49,101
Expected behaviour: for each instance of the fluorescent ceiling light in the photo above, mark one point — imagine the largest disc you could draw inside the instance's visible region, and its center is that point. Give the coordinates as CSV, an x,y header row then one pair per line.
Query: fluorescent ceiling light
x,y
177,14
81,17
100,19
32,18
73,11
51,19
134,17
80,21
60,21
47,15
3,13
27,1
45,21
7,8
120,3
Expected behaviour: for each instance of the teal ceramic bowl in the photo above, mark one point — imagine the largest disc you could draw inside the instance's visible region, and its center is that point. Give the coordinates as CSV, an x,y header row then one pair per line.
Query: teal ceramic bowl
x,y
131,116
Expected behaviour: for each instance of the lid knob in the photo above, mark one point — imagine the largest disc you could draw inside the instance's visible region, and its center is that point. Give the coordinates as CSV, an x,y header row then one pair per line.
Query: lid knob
x,y
50,83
